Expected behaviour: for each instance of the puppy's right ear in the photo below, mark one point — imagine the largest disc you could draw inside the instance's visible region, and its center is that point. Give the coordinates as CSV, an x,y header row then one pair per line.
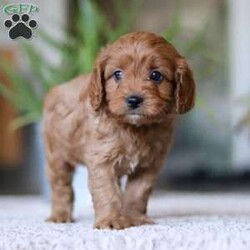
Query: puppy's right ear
x,y
97,81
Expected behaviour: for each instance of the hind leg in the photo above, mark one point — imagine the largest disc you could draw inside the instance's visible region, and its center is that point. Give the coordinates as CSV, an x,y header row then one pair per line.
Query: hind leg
x,y
60,177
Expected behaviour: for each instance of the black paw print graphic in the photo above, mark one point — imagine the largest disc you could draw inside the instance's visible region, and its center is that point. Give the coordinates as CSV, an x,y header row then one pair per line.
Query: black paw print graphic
x,y
20,27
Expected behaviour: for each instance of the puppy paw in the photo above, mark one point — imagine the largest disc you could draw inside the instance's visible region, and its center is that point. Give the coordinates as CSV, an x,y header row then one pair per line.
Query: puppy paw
x,y
142,219
60,219
121,222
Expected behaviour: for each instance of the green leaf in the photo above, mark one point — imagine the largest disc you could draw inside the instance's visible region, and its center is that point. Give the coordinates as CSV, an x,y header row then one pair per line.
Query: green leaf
x,y
26,96
38,66
175,28
9,95
24,120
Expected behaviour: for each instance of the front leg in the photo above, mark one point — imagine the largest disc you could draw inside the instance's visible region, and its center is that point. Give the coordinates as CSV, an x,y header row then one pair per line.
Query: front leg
x,y
138,189
106,196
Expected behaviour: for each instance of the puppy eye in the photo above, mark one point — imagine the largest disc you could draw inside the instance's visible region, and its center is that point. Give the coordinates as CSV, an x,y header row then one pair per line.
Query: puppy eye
x,y
156,76
118,74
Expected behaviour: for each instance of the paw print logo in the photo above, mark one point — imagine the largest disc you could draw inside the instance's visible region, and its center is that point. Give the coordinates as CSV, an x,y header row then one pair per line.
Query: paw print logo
x,y
20,26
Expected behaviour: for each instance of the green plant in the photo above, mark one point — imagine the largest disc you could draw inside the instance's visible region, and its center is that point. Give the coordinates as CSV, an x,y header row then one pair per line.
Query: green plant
x,y
78,51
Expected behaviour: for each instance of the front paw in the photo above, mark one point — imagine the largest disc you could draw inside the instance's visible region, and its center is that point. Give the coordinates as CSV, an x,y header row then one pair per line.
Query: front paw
x,y
142,219
121,222
60,218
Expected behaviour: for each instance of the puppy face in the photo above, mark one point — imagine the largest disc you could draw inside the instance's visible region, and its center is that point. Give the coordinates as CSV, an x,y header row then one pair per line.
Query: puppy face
x,y
140,79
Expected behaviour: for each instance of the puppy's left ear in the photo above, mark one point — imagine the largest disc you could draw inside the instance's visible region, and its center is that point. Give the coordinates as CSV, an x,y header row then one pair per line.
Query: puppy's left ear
x,y
185,87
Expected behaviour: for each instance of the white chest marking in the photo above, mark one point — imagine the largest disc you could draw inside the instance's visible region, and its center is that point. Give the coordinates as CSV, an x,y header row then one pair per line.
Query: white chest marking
x,y
133,162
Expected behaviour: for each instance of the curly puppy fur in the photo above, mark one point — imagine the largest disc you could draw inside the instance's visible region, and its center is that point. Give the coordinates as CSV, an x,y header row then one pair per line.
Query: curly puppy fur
x,y
90,121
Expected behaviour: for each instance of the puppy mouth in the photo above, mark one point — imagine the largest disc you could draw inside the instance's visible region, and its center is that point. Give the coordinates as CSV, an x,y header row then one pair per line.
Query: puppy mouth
x,y
134,118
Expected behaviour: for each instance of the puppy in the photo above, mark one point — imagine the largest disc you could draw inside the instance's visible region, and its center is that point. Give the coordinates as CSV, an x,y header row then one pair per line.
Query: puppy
x,y
119,120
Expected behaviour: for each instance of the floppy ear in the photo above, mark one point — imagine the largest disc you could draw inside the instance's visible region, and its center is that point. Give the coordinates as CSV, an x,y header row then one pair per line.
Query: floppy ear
x,y
97,81
185,88
96,88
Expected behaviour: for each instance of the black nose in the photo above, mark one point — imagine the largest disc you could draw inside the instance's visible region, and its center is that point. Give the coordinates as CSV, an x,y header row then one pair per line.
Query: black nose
x,y
134,101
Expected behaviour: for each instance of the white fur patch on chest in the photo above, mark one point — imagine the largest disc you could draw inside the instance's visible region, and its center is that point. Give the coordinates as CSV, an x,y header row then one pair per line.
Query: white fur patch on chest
x,y
133,162
127,163
97,121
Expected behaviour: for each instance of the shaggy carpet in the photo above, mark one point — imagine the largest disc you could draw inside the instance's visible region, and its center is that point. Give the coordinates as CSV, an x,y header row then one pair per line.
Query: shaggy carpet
x,y
184,221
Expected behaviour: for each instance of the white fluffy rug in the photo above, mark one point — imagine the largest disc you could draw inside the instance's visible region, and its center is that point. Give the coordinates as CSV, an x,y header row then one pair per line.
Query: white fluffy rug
x,y
184,221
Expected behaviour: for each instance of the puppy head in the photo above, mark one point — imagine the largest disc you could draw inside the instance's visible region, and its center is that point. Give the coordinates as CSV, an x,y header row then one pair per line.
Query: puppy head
x,y
141,78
